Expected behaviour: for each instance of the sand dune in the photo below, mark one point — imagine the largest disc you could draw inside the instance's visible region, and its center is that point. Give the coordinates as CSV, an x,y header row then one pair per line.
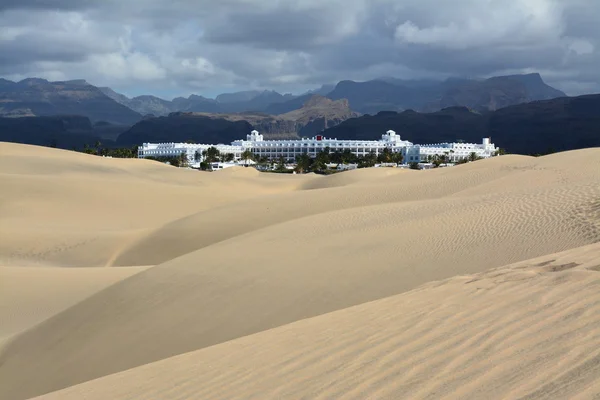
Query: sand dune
x,y
70,209
525,331
29,295
242,252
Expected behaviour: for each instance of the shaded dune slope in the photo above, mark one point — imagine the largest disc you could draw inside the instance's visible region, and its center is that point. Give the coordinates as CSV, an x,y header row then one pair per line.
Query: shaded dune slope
x,y
524,331
283,258
29,295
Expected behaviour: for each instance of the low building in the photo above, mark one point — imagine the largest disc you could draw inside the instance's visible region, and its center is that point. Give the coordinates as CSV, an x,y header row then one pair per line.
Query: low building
x,y
290,149
192,151
454,151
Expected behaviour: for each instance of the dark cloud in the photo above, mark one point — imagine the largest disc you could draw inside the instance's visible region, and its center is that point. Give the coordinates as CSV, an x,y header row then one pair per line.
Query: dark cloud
x,y
190,45
48,4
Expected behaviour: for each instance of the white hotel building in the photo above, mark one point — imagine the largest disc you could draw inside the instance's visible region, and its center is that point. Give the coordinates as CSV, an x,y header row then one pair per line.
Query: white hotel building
x,y
289,149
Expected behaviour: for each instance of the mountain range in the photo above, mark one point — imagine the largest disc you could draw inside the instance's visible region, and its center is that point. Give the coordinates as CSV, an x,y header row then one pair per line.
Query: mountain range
x,y
521,108
370,97
559,124
538,127
39,97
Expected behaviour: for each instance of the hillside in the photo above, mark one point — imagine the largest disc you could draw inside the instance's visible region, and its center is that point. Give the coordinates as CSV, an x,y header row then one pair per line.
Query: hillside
x,y
65,132
38,97
369,97
181,127
319,113
560,124
316,114
389,94
378,283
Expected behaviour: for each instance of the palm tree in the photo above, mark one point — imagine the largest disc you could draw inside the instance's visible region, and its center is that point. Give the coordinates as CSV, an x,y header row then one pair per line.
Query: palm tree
x,y
473,156
211,154
303,162
385,156
280,164
368,160
247,155
347,156
227,157
183,159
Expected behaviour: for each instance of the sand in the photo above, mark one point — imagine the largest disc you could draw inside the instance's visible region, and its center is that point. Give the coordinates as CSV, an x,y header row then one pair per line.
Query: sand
x,y
525,331
208,260
29,295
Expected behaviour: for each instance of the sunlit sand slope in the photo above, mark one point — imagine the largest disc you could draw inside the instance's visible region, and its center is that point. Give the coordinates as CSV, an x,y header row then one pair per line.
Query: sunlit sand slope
x,y
489,182
70,209
334,248
29,295
525,331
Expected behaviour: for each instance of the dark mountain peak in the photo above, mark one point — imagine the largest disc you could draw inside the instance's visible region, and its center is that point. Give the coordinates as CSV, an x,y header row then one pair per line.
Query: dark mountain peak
x,y
533,77
74,82
148,97
324,90
457,109
268,94
316,100
391,113
39,97
6,84
235,97
410,111
33,82
195,97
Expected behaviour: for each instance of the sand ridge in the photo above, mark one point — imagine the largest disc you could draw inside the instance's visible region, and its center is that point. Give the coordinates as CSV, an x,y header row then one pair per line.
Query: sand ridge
x,y
29,295
528,330
237,252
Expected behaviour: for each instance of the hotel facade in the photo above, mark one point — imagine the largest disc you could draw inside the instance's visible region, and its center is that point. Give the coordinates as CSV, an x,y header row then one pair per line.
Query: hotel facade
x,y
289,149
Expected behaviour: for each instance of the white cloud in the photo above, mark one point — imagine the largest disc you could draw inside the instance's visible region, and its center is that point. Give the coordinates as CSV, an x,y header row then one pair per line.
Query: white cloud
x,y
488,23
204,45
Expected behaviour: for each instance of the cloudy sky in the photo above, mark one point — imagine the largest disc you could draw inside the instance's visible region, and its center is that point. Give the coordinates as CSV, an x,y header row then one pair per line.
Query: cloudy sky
x,y
179,47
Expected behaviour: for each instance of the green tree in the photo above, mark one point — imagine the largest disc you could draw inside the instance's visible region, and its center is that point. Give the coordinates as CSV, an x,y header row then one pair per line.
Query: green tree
x,y
183,160
281,164
227,157
385,156
397,158
348,157
211,154
367,161
414,165
474,157
303,163
321,161
247,155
